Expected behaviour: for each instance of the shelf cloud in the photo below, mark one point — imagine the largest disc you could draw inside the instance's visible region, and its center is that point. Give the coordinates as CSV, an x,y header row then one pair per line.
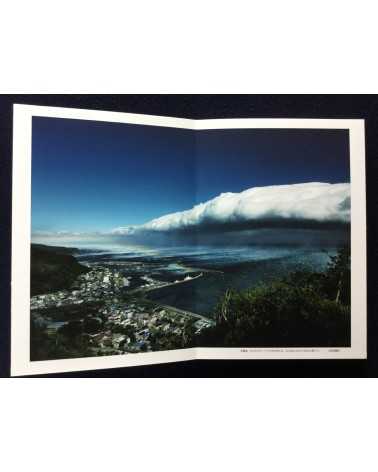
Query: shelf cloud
x,y
308,206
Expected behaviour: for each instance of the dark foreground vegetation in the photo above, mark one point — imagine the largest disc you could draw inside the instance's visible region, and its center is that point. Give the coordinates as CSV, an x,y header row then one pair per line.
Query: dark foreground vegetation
x,y
52,269
69,341
305,309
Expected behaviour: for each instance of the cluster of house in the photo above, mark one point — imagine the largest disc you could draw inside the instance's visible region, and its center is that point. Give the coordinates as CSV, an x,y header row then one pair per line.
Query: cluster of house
x,y
135,328
117,327
97,284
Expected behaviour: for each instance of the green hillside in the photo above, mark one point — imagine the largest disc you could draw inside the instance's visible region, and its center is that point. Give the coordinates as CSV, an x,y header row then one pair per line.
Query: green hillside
x,y
53,268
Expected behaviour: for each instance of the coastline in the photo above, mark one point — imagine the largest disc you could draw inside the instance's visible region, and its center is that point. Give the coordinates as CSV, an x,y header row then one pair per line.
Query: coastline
x,y
120,306
99,315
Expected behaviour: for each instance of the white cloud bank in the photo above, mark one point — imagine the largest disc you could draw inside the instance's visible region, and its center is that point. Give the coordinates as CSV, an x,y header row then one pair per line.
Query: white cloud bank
x,y
310,202
251,215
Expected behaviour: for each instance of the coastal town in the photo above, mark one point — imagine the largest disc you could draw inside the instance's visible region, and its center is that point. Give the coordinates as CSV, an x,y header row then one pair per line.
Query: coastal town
x,y
102,315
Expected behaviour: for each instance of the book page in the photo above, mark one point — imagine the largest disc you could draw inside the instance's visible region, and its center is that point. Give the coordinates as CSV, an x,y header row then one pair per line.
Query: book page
x,y
154,239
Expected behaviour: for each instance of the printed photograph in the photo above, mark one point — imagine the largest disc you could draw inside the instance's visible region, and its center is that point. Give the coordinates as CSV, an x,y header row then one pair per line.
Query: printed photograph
x,y
150,238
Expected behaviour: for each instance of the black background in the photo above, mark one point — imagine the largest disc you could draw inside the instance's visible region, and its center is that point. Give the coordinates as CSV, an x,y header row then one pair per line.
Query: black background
x,y
201,107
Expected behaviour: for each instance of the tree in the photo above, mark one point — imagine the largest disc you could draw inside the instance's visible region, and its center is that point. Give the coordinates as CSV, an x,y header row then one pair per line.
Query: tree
x,y
337,277
303,309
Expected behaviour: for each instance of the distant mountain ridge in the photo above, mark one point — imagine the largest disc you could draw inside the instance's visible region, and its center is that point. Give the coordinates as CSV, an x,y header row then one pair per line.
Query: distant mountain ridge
x,y
53,268
56,249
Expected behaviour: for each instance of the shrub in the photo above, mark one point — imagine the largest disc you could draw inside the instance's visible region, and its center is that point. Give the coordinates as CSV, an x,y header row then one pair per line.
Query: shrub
x,y
305,309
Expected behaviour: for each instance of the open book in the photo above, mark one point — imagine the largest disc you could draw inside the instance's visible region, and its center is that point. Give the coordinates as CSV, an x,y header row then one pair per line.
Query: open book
x,y
145,239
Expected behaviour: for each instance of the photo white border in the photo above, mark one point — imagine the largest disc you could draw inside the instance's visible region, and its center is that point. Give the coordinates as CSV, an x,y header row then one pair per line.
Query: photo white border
x,y
21,237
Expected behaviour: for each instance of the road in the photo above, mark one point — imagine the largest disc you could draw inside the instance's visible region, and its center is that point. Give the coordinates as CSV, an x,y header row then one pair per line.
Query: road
x,y
180,311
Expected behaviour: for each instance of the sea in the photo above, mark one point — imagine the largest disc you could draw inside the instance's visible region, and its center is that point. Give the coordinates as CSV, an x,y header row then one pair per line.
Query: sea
x,y
220,268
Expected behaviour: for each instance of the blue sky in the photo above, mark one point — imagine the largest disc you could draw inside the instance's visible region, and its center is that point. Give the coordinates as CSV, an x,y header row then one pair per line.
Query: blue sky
x,y
95,176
